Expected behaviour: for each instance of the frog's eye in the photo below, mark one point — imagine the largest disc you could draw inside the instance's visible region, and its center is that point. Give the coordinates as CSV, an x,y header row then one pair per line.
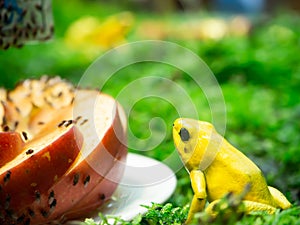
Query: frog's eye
x,y
184,134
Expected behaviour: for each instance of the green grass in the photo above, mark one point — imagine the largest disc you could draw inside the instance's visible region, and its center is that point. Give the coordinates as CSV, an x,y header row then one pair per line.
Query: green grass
x,y
259,76
169,214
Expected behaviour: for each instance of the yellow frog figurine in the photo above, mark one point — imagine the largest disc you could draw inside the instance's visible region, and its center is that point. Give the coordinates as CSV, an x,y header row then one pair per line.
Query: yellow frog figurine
x,y
217,168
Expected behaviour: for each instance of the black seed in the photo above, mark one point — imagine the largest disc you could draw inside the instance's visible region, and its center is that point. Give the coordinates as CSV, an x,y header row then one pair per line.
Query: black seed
x,y
51,29
24,12
37,195
6,128
60,94
184,134
32,18
86,180
72,101
51,195
38,7
26,34
21,218
44,213
77,119
68,123
53,203
102,196
34,32
84,121
31,212
14,42
51,198
7,177
41,123
28,26
75,179
61,123
29,151
16,124
25,135
18,109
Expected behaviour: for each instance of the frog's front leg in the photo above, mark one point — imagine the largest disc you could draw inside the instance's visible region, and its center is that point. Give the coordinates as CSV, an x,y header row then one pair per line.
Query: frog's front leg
x,y
199,187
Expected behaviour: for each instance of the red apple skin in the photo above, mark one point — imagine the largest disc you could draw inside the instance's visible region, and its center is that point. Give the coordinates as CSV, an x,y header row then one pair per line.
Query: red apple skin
x,y
96,166
11,145
28,182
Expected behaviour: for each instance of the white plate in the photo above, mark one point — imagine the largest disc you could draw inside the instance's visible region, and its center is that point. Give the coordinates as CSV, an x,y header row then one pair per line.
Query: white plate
x,y
145,180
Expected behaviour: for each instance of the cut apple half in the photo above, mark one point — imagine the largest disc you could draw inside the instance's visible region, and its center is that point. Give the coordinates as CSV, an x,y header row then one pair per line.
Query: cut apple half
x,y
70,151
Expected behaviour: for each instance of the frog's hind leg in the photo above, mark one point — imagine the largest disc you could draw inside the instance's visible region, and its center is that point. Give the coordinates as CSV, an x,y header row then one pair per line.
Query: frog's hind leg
x,y
247,207
280,200
251,206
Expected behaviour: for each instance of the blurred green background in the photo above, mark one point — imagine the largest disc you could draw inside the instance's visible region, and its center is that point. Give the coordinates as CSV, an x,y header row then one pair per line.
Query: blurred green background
x,y
253,54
